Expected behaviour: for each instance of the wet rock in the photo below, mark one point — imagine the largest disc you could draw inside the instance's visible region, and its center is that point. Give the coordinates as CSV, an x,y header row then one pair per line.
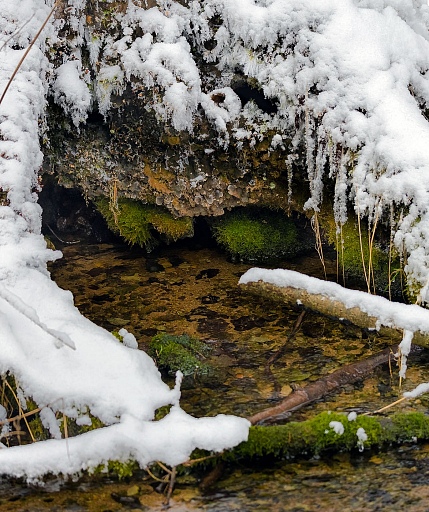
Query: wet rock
x,y
154,266
207,273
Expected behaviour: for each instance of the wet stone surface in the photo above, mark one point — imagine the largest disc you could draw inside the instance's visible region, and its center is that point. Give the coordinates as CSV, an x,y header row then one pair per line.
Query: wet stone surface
x,y
189,290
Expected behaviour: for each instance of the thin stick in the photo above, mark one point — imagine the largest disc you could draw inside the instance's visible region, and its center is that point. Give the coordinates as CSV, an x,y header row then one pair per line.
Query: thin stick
x,y
191,462
368,284
12,433
370,248
164,467
387,406
170,487
292,334
21,411
66,433
155,477
319,246
27,51
20,416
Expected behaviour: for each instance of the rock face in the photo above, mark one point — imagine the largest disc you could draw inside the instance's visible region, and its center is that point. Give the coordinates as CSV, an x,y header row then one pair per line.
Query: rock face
x,y
189,174
228,147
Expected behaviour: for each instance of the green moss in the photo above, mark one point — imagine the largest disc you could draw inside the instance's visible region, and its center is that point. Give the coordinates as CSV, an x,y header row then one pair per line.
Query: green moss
x,y
117,468
409,427
353,248
95,423
315,436
182,353
136,221
39,432
123,469
169,226
309,437
250,234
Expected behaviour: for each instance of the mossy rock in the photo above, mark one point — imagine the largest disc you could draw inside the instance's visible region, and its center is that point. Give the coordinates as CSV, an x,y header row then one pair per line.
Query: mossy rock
x,y
137,222
182,352
251,234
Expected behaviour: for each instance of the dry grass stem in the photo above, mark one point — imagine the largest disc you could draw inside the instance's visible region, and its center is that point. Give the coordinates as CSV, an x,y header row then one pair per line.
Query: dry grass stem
x,y
157,479
319,246
21,412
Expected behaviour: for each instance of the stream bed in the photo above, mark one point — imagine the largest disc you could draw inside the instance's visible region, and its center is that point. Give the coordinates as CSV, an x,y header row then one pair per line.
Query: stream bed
x,y
188,289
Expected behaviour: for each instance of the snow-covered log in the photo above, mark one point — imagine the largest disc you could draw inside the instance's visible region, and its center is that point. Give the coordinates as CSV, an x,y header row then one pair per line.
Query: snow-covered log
x,y
394,320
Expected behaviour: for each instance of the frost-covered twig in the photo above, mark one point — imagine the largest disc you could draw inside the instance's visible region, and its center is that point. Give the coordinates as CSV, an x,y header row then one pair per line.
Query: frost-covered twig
x,y
61,337
27,51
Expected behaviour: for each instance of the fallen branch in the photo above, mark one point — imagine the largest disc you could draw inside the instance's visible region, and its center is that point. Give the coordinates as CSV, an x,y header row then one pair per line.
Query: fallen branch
x,y
346,375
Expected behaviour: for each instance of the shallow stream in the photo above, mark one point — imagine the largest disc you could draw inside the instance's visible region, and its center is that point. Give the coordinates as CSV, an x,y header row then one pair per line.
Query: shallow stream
x,y
193,290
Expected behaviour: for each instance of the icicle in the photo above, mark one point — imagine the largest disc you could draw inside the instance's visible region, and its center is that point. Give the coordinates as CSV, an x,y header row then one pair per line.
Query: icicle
x,y
403,351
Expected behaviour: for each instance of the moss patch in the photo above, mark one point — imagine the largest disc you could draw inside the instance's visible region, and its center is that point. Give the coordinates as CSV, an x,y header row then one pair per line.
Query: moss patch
x,y
251,234
183,353
136,222
315,436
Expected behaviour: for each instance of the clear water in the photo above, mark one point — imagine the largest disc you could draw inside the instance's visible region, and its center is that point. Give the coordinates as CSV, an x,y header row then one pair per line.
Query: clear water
x,y
185,289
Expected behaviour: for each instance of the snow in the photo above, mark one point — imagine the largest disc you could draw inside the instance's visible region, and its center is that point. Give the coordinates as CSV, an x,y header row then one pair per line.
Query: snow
x,y
408,317
352,416
128,338
348,77
337,427
419,390
66,364
169,440
362,437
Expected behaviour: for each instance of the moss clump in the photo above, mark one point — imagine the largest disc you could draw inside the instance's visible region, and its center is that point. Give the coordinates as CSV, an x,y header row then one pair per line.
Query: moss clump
x,y
251,234
182,353
352,248
166,224
136,222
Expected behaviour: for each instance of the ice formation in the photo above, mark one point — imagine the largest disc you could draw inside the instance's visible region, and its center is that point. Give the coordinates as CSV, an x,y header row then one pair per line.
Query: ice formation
x,y
350,81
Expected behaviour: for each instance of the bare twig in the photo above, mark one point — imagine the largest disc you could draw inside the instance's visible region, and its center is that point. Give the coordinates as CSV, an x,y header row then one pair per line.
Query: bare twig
x,y
291,336
17,31
396,402
22,415
171,483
